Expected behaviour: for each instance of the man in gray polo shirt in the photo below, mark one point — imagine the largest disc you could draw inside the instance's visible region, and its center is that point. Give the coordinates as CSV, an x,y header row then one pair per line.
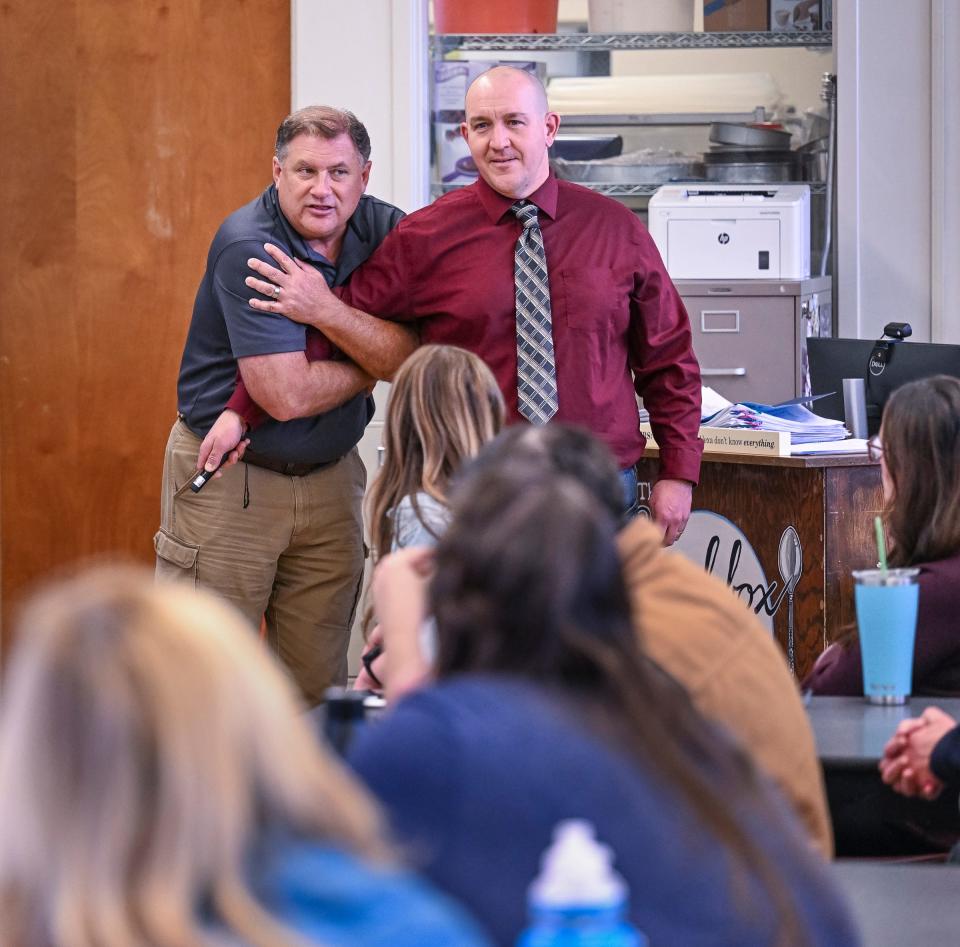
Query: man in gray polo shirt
x,y
280,535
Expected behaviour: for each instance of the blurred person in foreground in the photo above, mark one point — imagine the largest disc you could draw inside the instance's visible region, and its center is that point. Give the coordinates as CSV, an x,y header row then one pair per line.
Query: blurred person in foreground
x,y
546,707
690,623
159,786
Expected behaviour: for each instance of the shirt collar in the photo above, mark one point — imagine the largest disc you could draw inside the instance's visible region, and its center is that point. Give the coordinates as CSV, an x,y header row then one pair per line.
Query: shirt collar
x,y
496,204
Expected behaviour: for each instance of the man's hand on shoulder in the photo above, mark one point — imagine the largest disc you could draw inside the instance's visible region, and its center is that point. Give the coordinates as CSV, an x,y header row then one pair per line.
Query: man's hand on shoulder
x,y
670,502
299,292
292,289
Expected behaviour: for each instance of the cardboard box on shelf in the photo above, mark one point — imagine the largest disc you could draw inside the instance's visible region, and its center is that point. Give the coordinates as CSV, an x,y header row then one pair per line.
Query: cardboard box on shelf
x,y
736,16
451,78
454,164
796,15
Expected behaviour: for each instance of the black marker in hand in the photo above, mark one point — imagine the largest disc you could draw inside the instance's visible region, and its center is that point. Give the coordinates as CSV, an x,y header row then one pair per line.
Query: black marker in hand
x,y
204,475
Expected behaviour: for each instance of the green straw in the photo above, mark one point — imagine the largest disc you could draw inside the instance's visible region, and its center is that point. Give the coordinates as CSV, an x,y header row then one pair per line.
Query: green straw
x,y
881,545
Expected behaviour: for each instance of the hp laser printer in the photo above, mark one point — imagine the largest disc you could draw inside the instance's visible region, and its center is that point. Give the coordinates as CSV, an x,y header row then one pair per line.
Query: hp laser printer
x,y
732,231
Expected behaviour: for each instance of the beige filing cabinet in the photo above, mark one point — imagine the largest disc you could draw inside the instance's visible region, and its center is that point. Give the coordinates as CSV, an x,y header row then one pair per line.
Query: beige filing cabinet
x,y
750,335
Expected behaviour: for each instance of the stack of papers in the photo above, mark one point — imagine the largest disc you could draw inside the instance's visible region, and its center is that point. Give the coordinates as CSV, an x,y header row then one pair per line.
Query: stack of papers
x,y
735,415
803,425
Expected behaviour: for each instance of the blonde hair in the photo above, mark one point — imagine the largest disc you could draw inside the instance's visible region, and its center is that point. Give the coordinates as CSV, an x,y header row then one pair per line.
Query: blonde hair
x,y
147,744
444,406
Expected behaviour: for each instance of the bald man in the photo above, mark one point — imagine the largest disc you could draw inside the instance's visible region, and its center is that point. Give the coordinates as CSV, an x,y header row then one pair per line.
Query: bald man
x,y
560,290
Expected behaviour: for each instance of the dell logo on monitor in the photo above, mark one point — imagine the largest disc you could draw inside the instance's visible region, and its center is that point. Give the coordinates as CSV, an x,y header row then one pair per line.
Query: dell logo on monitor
x,y
878,363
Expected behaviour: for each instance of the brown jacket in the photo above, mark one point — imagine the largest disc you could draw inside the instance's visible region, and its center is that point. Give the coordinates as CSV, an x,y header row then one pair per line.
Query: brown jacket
x,y
697,629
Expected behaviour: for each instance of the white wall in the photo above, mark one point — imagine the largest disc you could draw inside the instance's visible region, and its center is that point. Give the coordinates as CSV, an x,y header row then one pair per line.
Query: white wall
x,y
945,173
370,56
884,136
899,164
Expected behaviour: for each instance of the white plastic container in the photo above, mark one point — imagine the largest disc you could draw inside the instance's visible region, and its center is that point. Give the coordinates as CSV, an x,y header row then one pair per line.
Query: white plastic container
x,y
640,16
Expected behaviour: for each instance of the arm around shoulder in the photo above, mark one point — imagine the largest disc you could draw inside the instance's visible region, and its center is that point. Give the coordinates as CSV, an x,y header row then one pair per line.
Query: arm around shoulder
x,y
288,386
377,345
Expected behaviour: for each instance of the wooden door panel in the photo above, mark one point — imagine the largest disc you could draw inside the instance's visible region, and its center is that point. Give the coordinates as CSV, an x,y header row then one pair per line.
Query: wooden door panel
x,y
131,131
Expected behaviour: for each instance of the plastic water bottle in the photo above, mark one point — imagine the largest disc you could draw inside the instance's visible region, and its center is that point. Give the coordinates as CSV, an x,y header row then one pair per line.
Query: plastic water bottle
x,y
578,900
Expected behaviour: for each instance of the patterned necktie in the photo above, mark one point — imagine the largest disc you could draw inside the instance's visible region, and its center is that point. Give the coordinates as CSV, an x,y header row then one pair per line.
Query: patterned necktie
x,y
536,369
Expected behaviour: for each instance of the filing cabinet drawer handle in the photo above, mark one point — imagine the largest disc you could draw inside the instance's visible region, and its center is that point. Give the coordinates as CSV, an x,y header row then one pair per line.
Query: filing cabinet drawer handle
x,y
718,322
715,372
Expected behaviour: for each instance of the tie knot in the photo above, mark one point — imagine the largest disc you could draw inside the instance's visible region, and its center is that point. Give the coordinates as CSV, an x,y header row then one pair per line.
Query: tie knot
x,y
526,213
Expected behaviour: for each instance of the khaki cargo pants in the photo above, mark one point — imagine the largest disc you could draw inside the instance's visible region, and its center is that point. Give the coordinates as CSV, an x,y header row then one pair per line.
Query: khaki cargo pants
x,y
287,548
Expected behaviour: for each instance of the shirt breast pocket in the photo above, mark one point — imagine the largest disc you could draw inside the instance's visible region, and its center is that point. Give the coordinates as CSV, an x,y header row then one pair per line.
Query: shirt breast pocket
x,y
592,302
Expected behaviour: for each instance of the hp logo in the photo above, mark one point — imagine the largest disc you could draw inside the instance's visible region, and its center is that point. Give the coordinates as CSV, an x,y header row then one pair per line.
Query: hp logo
x,y
724,238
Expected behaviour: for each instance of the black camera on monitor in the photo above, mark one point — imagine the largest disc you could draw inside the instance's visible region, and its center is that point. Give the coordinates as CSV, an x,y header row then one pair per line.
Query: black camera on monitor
x,y
897,330
883,348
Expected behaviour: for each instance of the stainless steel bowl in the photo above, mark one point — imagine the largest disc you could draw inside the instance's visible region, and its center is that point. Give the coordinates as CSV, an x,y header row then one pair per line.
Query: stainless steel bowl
x,y
601,172
586,147
760,172
731,133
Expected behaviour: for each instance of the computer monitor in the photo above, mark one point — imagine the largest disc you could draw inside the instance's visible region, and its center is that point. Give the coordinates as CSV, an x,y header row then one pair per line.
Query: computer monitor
x,y
832,360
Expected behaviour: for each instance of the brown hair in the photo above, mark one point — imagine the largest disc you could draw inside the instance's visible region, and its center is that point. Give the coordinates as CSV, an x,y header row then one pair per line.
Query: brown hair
x,y
444,406
147,745
921,451
324,122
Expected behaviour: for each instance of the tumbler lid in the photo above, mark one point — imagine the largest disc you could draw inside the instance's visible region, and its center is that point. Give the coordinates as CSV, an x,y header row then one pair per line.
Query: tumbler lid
x,y
886,577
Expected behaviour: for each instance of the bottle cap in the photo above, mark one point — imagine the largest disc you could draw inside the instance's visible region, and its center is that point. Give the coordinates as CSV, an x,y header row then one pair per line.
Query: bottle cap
x,y
577,870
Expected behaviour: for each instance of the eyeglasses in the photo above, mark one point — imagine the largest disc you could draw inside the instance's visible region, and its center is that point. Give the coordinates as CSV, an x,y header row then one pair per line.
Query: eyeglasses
x,y
875,448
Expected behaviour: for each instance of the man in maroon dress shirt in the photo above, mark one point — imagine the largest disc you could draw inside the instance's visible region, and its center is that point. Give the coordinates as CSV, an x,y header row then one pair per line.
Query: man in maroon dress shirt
x,y
619,327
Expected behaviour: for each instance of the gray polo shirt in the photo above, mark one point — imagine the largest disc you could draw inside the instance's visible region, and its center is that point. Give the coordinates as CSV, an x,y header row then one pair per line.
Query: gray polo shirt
x,y
224,327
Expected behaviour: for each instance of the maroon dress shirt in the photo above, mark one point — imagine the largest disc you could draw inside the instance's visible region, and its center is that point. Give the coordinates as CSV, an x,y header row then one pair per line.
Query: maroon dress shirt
x,y
619,324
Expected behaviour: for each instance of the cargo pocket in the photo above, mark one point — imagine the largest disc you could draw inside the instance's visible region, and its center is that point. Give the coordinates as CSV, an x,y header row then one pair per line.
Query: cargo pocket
x,y
175,558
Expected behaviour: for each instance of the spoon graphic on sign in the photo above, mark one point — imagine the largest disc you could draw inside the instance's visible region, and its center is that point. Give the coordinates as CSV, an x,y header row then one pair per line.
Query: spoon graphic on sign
x,y
790,562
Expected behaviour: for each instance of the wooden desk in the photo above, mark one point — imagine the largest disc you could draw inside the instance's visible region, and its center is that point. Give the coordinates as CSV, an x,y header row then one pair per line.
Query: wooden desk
x,y
851,733
902,905
749,505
